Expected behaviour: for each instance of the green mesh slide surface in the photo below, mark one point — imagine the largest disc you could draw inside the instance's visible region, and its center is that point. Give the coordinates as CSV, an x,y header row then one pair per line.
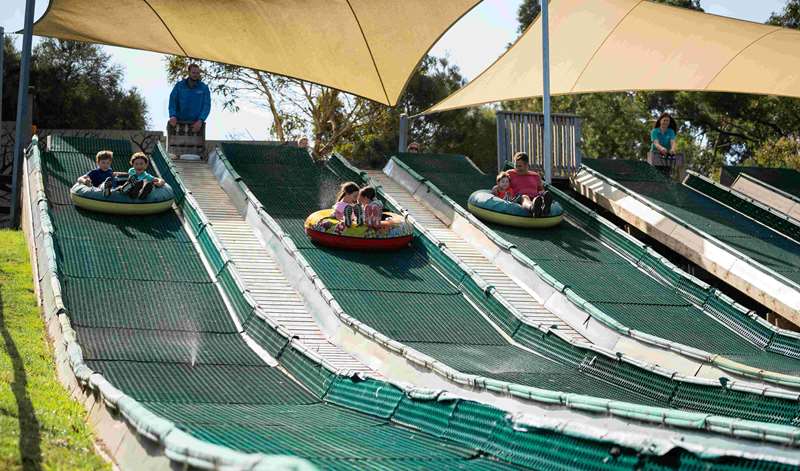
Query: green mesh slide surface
x,y
748,237
745,206
162,336
400,294
581,262
785,179
149,318
417,297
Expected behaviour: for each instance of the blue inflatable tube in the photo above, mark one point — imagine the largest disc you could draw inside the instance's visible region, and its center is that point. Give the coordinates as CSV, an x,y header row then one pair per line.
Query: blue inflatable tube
x,y
487,207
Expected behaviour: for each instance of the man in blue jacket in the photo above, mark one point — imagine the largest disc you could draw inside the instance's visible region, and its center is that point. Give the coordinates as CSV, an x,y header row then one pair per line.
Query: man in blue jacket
x,y
190,100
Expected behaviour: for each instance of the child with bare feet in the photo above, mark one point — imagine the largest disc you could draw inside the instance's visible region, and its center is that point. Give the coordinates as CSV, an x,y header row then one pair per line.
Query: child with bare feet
x,y
346,208
371,206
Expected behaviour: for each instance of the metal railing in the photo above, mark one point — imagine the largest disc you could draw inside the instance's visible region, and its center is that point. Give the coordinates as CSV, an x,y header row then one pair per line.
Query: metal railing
x,y
524,131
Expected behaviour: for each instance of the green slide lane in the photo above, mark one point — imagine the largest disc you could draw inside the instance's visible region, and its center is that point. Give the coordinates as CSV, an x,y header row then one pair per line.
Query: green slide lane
x,y
415,297
784,179
400,294
748,237
745,205
604,278
149,318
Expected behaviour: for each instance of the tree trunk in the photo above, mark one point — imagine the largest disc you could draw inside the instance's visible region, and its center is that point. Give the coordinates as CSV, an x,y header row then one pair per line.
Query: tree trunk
x,y
273,108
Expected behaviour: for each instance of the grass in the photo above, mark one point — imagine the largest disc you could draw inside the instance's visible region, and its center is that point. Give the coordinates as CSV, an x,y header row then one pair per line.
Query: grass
x,y
41,427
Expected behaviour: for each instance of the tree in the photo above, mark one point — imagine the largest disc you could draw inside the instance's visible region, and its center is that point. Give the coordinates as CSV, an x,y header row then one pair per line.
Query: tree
x,y
75,86
782,152
11,59
471,131
527,12
297,107
365,131
789,17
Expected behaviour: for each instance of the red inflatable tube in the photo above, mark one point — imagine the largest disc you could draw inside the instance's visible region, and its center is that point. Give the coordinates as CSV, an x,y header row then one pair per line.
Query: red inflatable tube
x,y
358,243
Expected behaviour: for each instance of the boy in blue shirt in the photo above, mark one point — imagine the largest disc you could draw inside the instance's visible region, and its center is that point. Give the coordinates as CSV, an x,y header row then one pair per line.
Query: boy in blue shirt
x,y
103,175
140,182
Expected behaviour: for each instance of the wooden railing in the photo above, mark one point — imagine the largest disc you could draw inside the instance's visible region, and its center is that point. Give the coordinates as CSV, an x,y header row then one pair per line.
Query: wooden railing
x,y
523,131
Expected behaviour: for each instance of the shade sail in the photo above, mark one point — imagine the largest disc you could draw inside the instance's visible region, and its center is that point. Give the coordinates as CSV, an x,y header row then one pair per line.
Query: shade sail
x,y
366,47
615,45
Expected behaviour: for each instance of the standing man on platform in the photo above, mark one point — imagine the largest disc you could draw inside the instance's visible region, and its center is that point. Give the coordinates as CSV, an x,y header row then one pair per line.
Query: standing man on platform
x,y
190,101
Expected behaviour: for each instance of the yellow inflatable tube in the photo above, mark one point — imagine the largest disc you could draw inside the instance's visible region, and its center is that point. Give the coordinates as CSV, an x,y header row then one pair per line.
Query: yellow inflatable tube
x,y
515,221
93,199
120,208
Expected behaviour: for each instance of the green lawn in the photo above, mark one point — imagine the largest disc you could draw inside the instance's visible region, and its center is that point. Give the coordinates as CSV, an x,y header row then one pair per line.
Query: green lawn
x,y
41,427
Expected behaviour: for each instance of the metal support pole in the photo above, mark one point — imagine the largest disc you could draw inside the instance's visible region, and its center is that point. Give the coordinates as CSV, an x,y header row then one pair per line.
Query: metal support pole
x,y
403,144
22,105
548,123
2,63
500,120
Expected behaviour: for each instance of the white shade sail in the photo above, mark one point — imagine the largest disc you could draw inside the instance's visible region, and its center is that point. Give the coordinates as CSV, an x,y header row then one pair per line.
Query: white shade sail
x,y
616,45
366,47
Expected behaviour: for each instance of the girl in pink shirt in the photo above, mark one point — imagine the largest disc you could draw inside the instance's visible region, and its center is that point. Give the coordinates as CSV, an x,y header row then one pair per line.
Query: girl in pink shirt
x,y
346,206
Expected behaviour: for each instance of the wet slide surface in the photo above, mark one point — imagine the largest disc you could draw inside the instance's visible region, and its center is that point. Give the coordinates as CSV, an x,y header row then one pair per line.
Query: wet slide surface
x,y
149,318
601,276
409,296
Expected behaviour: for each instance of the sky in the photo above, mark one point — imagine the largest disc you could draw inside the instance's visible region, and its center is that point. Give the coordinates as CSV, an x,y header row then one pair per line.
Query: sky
x,y
472,44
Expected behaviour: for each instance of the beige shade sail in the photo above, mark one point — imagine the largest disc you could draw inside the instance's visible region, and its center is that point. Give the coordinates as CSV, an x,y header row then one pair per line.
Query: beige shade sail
x,y
616,45
368,48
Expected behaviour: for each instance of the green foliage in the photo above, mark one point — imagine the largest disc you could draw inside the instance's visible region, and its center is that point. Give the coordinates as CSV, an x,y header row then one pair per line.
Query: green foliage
x,y
75,86
11,59
527,12
789,17
298,108
470,131
613,123
690,4
783,152
42,427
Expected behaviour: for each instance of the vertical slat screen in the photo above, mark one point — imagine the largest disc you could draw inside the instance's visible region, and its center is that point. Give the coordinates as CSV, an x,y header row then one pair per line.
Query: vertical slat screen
x,y
523,131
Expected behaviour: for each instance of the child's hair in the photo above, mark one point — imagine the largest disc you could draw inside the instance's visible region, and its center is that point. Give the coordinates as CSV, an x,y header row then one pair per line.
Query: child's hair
x,y
367,192
501,176
140,155
521,156
103,155
346,189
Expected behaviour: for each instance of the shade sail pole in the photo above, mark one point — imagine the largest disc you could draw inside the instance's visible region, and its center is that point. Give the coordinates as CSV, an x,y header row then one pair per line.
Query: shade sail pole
x,y
548,122
22,109
403,142
2,61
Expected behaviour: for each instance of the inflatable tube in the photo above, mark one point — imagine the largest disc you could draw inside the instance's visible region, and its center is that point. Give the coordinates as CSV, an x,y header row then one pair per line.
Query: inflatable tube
x,y
93,199
394,233
490,208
